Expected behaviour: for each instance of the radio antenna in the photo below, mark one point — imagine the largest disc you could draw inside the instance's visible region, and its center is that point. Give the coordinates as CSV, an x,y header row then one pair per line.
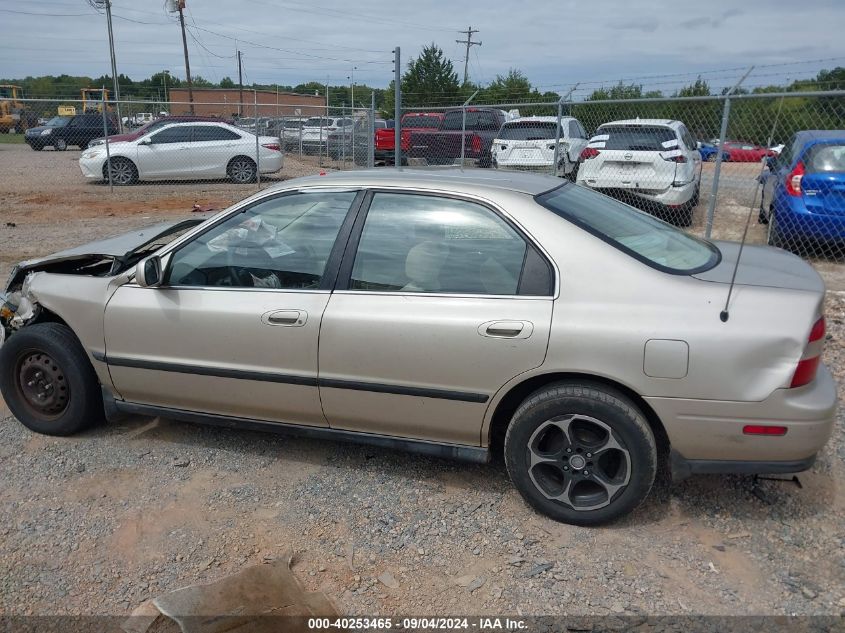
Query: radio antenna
x,y
724,314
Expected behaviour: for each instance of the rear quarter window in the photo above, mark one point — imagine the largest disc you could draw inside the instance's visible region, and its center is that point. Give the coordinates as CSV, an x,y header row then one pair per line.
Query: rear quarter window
x,y
644,237
825,157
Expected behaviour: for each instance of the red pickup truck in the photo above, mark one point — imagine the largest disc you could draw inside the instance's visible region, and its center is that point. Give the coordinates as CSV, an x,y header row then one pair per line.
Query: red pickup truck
x,y
411,122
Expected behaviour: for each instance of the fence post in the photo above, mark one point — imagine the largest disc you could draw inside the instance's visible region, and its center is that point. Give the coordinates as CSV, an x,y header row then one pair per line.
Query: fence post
x,y
108,151
257,147
464,126
717,170
371,149
557,136
397,110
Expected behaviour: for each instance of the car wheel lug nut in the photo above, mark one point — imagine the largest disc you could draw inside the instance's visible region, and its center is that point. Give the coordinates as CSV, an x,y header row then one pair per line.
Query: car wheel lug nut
x,y
589,454
586,473
568,450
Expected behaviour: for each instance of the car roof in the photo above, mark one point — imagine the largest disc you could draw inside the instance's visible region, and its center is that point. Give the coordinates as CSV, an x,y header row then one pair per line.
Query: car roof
x,y
666,122
539,119
805,136
457,180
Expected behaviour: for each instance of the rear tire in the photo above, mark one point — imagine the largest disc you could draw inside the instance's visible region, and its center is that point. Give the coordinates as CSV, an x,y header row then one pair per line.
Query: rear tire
x,y
580,453
242,169
47,380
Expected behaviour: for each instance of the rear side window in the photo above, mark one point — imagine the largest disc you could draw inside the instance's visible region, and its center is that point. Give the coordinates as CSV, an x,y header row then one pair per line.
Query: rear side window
x,y
825,157
475,121
422,121
643,138
527,131
213,133
637,233
317,122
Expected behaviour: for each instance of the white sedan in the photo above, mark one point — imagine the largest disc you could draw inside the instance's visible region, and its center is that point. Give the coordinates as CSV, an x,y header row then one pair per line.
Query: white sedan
x,y
185,151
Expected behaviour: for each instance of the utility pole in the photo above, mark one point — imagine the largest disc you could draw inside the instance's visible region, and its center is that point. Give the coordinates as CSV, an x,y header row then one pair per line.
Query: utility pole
x,y
240,84
113,69
468,41
187,63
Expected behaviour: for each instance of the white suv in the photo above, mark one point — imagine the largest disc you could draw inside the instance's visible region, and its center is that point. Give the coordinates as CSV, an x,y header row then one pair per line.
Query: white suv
x,y
528,143
645,161
315,131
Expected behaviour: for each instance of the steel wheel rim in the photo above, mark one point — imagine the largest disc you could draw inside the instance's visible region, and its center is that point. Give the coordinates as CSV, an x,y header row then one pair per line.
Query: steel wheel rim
x,y
121,172
242,171
61,145
42,384
578,461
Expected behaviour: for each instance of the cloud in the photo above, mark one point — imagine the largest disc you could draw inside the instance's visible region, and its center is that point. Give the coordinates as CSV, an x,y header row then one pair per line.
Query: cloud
x,y
713,21
645,25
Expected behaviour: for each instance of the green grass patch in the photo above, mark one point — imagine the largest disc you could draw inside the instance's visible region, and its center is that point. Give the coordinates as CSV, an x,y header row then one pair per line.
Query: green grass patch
x,y
12,138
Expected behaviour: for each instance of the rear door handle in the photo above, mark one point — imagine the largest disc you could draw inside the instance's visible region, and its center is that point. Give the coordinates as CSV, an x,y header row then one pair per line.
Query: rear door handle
x,y
288,318
506,329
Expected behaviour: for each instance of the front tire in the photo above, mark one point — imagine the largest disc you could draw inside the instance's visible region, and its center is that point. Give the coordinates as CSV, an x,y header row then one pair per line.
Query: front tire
x,y
60,145
123,171
47,380
580,453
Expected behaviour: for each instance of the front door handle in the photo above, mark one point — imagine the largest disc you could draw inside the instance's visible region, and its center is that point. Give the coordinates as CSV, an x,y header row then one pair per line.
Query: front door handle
x,y
506,329
289,318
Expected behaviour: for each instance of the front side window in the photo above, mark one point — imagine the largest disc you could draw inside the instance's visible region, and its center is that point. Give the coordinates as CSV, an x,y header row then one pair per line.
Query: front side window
x,y
422,243
175,134
281,243
476,120
635,232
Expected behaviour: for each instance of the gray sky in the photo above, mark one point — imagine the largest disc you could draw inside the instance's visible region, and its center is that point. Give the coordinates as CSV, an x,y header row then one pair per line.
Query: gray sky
x,y
555,43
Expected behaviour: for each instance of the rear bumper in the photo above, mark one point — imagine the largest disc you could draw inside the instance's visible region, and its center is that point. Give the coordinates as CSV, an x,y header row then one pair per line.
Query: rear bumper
x,y
795,220
682,468
671,197
711,430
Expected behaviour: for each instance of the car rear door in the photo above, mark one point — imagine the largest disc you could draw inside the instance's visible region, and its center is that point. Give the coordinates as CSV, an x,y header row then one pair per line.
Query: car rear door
x,y
440,302
233,330
213,146
631,157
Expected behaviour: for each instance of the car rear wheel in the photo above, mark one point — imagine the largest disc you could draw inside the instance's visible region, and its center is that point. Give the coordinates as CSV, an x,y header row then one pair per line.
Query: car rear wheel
x,y
123,171
242,169
60,144
580,453
47,380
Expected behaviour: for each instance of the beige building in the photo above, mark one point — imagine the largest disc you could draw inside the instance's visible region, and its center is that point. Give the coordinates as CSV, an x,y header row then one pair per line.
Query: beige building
x,y
224,102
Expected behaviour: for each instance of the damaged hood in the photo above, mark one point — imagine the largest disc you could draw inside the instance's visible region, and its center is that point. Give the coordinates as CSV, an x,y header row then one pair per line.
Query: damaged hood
x,y
119,248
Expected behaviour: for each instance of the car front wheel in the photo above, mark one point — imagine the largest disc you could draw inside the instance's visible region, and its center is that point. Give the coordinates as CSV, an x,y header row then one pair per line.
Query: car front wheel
x,y
580,453
60,144
47,380
122,171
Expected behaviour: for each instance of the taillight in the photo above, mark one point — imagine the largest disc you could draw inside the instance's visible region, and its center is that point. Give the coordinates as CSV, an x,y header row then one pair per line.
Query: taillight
x,y
589,152
793,180
807,367
763,429
476,144
273,146
676,159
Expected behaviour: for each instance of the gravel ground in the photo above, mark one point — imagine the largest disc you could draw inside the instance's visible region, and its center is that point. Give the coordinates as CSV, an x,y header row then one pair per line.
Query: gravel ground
x,y
98,523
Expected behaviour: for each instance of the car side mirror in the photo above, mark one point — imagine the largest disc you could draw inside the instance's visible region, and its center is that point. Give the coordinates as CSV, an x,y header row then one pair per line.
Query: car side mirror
x,y
148,272
145,141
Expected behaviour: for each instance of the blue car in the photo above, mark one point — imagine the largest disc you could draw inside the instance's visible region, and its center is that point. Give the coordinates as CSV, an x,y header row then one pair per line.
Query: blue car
x,y
803,198
708,152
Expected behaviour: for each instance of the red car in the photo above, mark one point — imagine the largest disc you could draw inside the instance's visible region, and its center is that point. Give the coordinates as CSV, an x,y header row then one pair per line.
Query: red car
x,y
152,125
739,152
412,121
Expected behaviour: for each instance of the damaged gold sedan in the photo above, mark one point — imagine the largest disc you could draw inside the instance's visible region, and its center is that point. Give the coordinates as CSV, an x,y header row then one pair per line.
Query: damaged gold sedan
x,y
452,313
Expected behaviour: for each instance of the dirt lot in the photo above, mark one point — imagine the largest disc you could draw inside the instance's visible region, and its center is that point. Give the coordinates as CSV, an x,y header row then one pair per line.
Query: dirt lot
x,y
102,521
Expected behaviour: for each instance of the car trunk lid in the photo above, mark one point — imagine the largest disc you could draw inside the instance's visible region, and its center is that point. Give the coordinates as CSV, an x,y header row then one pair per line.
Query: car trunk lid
x,y
763,266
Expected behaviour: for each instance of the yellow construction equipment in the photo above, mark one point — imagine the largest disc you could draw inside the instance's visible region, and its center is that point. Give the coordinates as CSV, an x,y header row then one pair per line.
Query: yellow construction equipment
x,y
94,99
14,116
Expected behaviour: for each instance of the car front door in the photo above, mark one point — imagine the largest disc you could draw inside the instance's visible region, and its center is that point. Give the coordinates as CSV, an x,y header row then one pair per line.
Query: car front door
x,y
440,302
234,328
167,155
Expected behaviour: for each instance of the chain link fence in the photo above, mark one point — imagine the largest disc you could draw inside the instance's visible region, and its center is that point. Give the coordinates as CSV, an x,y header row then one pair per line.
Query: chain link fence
x,y
771,166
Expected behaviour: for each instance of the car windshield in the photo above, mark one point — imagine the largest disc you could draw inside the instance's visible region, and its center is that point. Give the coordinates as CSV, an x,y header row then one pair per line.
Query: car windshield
x,y
648,138
528,131
637,233
421,121
825,157
57,121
